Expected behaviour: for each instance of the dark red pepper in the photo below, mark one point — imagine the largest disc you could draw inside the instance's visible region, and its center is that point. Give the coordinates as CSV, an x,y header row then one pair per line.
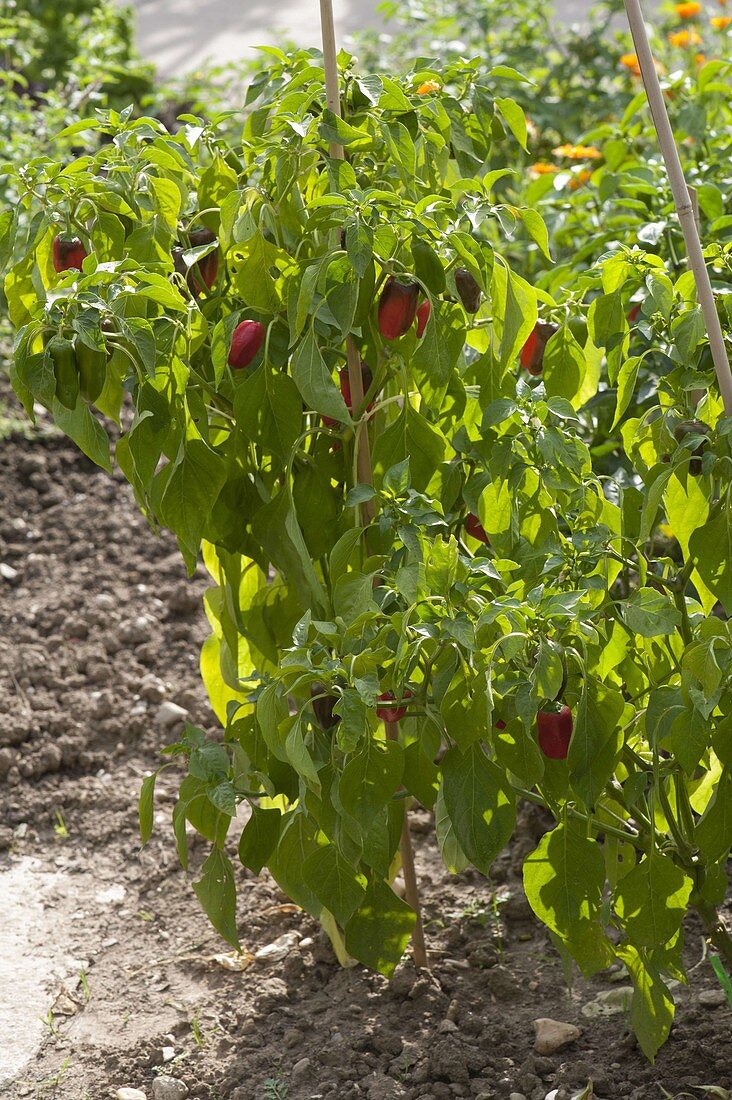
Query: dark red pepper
x,y
392,714
423,316
323,703
468,290
633,313
207,268
474,527
532,353
68,253
554,729
246,341
397,308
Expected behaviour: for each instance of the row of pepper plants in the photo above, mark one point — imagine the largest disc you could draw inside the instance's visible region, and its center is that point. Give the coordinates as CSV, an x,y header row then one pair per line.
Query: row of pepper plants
x,y
523,594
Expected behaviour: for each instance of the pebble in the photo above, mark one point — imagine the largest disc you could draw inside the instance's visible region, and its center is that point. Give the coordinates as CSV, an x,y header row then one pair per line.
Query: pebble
x,y
184,600
712,998
301,1068
517,1096
130,1094
169,715
448,1026
7,572
152,689
610,1002
169,1088
553,1035
136,630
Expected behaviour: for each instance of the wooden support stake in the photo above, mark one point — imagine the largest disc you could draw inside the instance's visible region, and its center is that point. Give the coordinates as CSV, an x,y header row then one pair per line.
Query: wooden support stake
x,y
682,199
364,467
333,97
410,875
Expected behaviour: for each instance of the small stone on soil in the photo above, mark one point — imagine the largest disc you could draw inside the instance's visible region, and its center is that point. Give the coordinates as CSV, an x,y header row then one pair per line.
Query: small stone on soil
x,y
130,1094
301,1068
169,715
712,998
169,1088
553,1035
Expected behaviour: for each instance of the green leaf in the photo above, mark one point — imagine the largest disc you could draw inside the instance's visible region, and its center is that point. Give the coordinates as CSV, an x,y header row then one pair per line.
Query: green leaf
x,y
369,779
193,485
652,1006
711,548
514,312
275,526
650,613
713,832
464,708
145,807
564,365
596,740
297,842
334,882
378,932
480,802
259,838
337,131
315,382
651,900
515,118
452,854
439,351
428,266
268,410
82,426
410,436
564,878
217,894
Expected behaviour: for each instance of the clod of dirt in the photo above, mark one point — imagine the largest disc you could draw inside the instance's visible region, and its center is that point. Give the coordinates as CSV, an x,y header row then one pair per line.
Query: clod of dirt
x,y
553,1035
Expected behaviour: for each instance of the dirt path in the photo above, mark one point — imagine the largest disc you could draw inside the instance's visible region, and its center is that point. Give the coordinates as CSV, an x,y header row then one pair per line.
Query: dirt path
x,y
99,630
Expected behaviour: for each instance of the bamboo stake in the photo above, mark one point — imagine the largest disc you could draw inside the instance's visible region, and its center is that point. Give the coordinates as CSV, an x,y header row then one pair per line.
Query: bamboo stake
x,y
682,199
364,467
410,875
333,98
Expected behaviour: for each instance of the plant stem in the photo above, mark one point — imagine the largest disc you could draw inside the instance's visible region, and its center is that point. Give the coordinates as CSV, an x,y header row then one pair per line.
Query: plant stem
x,y
716,930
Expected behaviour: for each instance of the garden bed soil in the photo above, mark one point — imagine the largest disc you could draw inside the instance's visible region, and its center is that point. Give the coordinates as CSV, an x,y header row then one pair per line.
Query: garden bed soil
x,y
99,628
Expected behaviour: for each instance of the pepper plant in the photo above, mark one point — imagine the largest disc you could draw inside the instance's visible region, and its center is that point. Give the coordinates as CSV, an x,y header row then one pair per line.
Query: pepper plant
x,y
444,589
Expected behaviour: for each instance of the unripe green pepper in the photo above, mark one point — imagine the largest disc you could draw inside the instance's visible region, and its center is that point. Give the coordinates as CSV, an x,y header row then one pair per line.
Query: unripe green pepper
x,y
92,365
65,371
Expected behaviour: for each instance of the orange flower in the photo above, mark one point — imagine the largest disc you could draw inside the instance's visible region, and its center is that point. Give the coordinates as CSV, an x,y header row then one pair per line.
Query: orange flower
x,y
630,61
542,169
700,58
427,87
579,178
577,152
685,38
688,10
721,22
